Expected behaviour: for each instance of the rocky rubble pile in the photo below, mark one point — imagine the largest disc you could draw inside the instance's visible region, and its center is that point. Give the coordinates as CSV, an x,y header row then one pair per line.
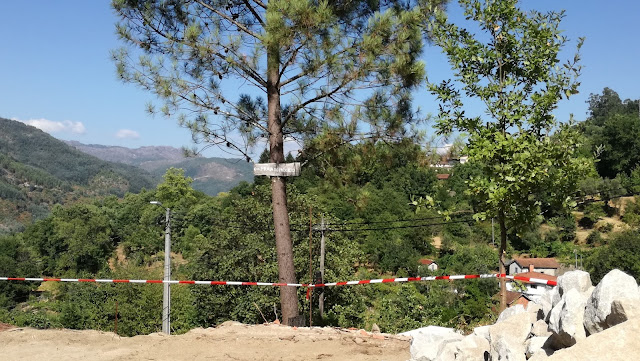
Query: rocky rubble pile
x,y
573,321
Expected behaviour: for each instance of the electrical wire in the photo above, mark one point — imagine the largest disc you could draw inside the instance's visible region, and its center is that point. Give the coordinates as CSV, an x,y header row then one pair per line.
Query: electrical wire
x,y
397,220
246,228
252,228
401,227
376,222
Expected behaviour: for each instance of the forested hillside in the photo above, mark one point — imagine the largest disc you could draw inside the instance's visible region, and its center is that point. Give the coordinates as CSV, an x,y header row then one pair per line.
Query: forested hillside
x,y
210,175
38,171
372,229
365,192
338,77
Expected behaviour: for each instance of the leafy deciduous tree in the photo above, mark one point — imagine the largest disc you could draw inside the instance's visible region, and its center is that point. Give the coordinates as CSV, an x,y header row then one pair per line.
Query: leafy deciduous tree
x,y
613,132
621,252
512,66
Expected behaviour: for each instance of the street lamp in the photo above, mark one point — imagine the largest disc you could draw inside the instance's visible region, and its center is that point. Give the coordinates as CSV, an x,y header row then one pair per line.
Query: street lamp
x,y
166,295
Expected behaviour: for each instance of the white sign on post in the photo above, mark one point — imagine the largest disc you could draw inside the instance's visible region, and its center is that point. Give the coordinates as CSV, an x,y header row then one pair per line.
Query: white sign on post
x,y
277,170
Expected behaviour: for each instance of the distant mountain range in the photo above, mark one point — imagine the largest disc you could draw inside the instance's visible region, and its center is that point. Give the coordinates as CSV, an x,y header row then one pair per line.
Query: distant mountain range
x,y
210,175
38,171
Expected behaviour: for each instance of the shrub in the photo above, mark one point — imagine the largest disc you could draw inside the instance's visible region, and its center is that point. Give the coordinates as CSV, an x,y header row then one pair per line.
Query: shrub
x,y
592,213
566,226
621,252
594,238
606,227
632,212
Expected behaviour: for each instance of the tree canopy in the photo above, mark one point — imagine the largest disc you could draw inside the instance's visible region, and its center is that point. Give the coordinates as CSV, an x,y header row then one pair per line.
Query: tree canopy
x,y
514,69
613,133
310,66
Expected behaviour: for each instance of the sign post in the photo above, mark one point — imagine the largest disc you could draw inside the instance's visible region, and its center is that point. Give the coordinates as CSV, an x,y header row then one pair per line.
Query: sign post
x,y
277,169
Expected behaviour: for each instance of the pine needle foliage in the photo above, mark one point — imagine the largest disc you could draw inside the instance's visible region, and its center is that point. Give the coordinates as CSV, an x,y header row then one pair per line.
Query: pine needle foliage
x,y
320,64
339,63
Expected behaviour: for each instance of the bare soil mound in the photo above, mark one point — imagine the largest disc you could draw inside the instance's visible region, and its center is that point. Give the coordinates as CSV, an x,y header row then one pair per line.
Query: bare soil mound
x,y
229,341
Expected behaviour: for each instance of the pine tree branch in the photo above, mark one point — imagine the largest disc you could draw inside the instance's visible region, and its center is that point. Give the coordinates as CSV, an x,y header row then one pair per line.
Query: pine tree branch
x,y
261,4
248,71
290,61
315,99
231,20
245,68
304,72
254,12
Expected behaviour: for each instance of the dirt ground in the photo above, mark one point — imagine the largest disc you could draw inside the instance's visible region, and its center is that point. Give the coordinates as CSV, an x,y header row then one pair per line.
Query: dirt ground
x,y
229,341
437,242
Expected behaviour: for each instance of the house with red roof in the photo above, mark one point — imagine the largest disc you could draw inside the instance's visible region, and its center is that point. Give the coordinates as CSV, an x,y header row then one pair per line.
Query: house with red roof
x,y
517,298
431,264
532,290
548,266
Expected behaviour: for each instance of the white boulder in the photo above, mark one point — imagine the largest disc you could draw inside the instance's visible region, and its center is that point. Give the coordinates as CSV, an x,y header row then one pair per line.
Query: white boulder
x,y
482,331
428,342
617,343
471,348
546,303
598,314
508,312
540,329
578,280
568,324
508,337
537,345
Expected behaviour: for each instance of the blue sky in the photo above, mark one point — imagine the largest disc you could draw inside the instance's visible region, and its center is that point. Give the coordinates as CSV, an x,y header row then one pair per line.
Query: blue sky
x,y
55,69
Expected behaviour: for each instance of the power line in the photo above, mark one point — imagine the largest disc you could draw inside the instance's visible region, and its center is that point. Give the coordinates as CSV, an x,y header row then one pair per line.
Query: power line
x,y
402,227
374,222
397,220
246,228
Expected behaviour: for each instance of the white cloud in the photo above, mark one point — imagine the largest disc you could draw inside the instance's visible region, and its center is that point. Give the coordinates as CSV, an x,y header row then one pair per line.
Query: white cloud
x,y
127,134
50,126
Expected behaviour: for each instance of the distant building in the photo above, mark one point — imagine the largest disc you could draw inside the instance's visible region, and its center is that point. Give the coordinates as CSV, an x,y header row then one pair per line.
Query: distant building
x,y
517,298
533,290
431,264
443,176
548,266
450,163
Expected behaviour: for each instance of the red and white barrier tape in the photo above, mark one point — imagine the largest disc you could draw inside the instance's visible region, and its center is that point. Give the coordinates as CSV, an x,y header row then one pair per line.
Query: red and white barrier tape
x,y
215,283
239,283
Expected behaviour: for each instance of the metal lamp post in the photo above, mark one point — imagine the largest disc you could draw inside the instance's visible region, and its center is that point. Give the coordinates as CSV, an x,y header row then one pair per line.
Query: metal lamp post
x,y
166,295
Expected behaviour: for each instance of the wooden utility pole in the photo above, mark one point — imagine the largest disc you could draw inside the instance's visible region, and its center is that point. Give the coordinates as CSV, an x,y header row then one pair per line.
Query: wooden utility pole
x,y
503,251
115,327
310,292
321,299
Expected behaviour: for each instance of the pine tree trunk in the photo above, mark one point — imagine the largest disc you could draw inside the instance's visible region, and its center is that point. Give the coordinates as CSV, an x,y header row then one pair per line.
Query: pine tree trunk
x,y
503,250
284,247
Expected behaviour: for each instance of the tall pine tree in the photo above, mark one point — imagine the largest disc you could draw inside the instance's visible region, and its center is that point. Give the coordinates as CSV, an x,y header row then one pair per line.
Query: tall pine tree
x,y
320,65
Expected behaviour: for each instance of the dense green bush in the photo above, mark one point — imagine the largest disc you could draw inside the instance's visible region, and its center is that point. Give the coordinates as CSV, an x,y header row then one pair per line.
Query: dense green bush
x,y
15,261
620,252
594,238
632,212
606,227
565,226
592,213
